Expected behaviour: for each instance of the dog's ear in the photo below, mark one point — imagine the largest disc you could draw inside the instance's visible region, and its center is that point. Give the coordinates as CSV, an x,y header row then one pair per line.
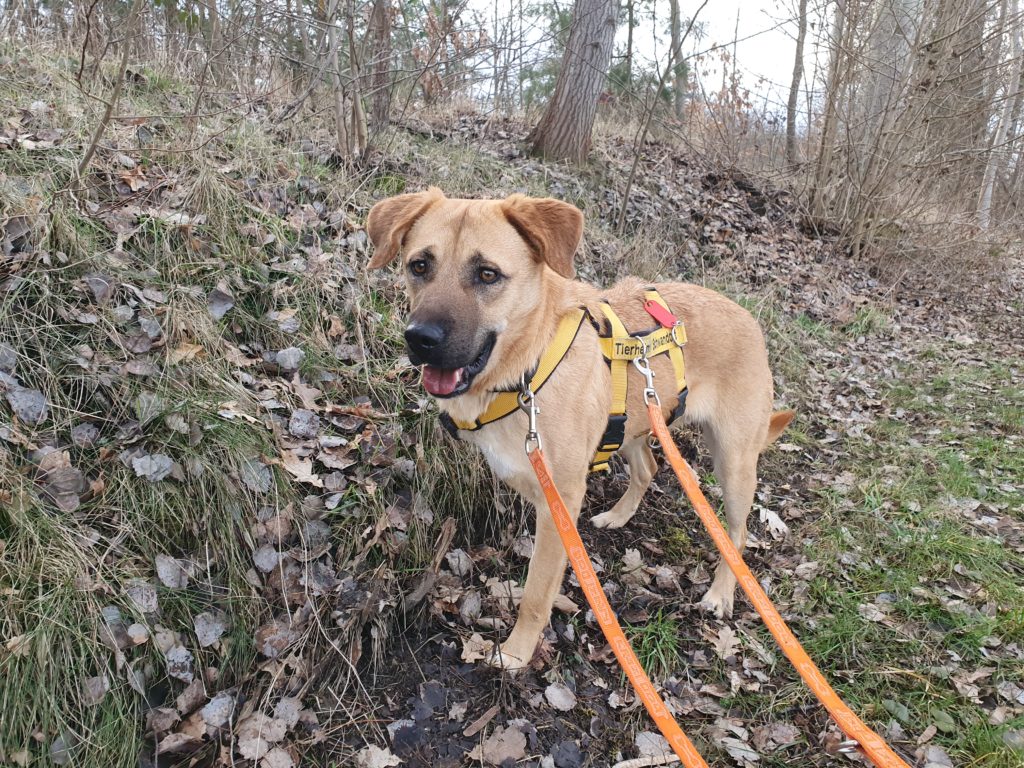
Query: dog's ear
x,y
550,227
390,221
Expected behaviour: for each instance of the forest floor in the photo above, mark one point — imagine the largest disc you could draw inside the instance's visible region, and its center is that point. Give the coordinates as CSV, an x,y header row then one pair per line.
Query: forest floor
x,y
232,532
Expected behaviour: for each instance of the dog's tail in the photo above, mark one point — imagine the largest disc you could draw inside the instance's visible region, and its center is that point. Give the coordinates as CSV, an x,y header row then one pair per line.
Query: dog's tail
x,y
777,423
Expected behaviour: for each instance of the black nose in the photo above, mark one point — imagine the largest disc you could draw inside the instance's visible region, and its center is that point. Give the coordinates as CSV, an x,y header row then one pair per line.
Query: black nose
x,y
424,339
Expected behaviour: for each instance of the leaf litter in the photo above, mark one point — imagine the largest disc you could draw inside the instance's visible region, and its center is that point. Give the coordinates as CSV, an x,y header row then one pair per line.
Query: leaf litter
x,y
335,457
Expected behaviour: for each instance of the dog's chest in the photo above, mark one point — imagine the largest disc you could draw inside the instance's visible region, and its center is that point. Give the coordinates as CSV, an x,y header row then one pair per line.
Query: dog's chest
x,y
503,449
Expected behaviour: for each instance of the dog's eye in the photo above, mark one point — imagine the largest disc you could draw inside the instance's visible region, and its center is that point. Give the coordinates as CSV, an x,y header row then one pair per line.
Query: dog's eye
x,y
487,275
419,267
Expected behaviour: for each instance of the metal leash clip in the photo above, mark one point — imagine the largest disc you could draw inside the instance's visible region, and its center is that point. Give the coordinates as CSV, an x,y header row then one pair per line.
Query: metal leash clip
x,y
643,365
848,747
527,402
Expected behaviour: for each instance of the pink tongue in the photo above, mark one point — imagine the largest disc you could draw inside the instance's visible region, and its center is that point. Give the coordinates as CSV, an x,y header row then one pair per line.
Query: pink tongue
x,y
440,381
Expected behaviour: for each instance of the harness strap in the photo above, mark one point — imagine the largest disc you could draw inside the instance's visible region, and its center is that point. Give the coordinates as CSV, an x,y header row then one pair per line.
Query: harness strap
x,y
620,348
615,432
505,403
652,301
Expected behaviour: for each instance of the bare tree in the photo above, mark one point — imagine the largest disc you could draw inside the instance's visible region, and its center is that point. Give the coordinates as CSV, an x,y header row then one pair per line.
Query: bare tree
x,y
679,66
794,85
563,132
998,154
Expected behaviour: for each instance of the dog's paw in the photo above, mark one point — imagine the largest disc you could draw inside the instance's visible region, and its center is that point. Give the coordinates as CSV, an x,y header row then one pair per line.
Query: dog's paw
x,y
609,519
719,606
508,659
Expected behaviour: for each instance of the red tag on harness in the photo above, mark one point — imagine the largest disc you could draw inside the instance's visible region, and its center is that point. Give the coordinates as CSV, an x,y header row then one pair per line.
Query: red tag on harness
x,y
665,318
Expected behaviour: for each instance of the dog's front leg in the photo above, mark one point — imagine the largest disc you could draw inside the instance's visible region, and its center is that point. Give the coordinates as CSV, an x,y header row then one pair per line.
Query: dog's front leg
x,y
543,579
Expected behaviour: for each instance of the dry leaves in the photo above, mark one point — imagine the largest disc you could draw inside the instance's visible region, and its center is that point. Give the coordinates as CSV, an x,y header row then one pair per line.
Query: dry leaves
x,y
505,743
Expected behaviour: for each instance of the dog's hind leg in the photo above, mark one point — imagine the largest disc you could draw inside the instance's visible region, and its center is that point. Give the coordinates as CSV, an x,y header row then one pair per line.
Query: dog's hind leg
x,y
735,461
642,466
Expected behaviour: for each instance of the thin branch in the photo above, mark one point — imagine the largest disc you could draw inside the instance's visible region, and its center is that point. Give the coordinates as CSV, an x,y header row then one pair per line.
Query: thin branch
x,y
133,16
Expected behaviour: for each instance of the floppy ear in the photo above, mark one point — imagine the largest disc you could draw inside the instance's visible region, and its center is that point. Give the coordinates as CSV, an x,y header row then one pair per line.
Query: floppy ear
x,y
390,220
550,227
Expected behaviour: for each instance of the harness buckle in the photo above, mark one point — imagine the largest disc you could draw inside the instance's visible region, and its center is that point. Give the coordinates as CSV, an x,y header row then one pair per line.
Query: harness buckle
x,y
527,402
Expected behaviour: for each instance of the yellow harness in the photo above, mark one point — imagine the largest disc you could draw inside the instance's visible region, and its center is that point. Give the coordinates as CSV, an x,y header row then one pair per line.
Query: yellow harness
x,y
619,348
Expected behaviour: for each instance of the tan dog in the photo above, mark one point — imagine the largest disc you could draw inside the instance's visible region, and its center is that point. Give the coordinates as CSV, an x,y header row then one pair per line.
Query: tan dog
x,y
488,281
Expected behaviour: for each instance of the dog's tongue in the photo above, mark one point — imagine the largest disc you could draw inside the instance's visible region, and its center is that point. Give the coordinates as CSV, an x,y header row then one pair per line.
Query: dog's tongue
x,y
440,381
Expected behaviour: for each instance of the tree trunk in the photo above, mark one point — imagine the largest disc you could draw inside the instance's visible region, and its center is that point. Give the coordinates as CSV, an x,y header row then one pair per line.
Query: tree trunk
x,y
630,12
340,116
794,85
679,65
380,84
563,132
998,154
358,134
830,117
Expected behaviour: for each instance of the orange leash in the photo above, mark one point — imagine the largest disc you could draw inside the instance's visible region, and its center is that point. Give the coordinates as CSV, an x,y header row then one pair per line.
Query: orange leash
x,y
867,740
573,544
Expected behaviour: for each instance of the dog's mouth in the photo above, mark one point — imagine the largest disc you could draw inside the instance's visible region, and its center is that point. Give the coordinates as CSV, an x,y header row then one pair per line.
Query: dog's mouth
x,y
450,382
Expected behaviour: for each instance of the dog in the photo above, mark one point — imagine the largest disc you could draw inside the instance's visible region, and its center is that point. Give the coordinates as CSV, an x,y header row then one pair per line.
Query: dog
x,y
489,282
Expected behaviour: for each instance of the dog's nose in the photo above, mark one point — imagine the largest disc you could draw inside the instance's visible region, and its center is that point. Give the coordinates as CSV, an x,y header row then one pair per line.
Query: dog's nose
x,y
424,339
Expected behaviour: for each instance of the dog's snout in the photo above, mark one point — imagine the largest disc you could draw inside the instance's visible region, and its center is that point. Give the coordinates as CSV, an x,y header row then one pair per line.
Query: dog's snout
x,y
425,339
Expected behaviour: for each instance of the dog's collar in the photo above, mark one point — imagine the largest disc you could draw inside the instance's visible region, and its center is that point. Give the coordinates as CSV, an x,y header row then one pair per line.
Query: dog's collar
x,y
506,402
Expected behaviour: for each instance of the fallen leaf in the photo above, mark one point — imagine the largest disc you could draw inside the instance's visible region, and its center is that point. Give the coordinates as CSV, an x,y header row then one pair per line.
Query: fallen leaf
x,y
277,758
633,570
936,757
299,468
506,743
740,751
375,757
304,423
154,467
142,593
650,744
726,643
184,352
219,710
190,698
459,562
29,405
475,648
219,301
290,359
256,733
178,742
172,572
209,627
179,663
95,688
560,696
255,475
287,710
775,524
274,637
308,395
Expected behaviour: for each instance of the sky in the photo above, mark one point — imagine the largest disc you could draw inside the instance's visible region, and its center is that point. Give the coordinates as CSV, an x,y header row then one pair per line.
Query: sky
x,y
766,32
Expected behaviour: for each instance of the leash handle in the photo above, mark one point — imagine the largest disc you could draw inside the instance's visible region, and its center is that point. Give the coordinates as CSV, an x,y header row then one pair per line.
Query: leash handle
x,y
866,739
613,633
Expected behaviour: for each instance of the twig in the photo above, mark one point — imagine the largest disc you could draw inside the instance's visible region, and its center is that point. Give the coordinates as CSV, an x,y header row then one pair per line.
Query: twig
x,y
133,16
647,120
85,40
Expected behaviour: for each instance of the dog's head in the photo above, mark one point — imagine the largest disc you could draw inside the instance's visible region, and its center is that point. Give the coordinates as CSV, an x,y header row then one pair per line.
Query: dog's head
x,y
474,269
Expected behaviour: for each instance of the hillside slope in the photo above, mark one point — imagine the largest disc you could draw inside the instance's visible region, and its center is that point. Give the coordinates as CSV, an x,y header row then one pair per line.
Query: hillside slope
x,y
231,532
